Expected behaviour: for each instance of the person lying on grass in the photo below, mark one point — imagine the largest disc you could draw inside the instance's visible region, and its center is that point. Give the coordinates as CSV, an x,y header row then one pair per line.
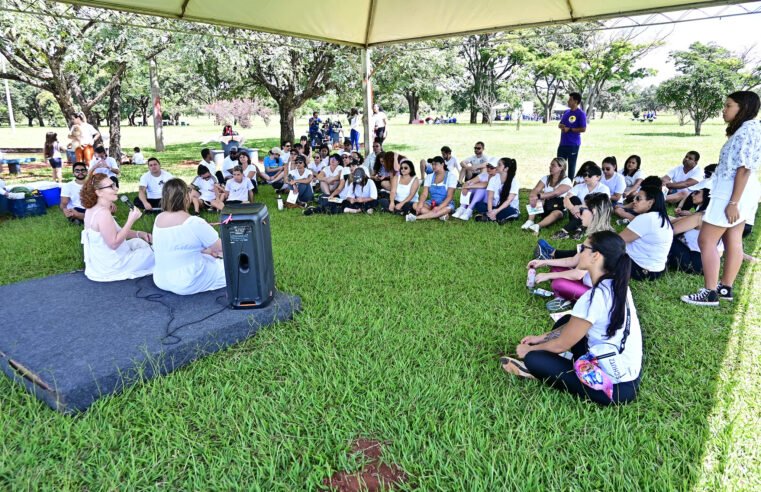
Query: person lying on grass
x,y
549,191
437,198
568,281
684,254
603,322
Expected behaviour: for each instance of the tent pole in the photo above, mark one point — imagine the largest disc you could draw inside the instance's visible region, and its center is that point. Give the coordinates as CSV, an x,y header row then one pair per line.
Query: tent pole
x,y
367,99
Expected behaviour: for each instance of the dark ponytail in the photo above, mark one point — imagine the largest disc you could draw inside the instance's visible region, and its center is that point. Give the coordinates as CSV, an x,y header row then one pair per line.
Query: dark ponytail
x,y
512,168
659,203
617,266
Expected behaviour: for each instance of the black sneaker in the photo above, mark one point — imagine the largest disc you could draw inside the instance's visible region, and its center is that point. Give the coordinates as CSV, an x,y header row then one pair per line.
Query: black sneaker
x,y
310,211
703,297
725,293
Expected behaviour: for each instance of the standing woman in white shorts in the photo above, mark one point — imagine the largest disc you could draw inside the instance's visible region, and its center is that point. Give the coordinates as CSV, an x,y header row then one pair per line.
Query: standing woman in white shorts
x,y
733,198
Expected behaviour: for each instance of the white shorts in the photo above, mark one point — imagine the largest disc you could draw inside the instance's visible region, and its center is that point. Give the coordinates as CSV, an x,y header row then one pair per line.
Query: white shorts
x,y
747,205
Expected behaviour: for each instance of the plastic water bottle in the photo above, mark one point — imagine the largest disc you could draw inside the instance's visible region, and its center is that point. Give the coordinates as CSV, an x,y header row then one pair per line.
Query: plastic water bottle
x,y
280,203
531,279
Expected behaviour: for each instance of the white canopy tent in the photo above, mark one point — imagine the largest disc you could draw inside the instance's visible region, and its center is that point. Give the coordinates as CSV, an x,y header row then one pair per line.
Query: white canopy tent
x,y
368,23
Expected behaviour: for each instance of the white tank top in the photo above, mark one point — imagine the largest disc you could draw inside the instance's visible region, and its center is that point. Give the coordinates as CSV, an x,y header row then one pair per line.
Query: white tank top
x,y
403,191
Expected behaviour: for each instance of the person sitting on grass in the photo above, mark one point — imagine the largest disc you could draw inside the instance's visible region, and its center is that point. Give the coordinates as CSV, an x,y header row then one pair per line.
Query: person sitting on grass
x,y
273,165
475,164
574,199
137,157
205,191
684,207
386,167
604,321
502,203
71,203
568,282
207,159
440,186
579,179
474,190
228,164
682,177
337,200
626,212
363,195
316,166
649,235
450,160
249,170
188,249
615,182
111,252
102,162
329,177
632,177
151,184
300,181
549,191
404,188
684,254
238,189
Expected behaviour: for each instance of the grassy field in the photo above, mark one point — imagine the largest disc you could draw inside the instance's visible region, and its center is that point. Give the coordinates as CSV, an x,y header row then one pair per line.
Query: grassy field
x,y
399,339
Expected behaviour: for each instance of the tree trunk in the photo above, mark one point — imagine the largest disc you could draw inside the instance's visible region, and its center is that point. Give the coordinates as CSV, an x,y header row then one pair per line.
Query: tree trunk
x,y
158,130
38,113
287,111
114,122
131,118
30,121
473,113
698,125
602,113
413,101
485,120
548,112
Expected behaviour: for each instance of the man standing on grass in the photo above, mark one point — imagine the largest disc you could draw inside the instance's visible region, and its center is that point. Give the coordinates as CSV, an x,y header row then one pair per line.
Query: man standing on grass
x,y
572,125
71,205
151,186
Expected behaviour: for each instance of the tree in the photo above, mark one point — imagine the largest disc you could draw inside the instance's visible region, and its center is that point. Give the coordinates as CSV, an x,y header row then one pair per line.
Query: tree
x,y
238,111
707,72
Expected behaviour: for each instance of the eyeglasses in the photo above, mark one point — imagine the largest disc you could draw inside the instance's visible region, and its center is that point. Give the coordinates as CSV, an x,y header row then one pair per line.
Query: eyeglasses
x,y
581,247
80,171
112,186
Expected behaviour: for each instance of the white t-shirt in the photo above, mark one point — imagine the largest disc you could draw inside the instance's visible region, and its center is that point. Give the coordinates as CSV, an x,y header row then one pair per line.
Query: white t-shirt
x,y
72,190
206,187
596,310
549,189
211,166
495,185
109,160
476,161
339,171
295,174
453,165
616,184
581,190
87,134
379,119
678,175
238,191
137,158
154,184
630,180
316,168
367,191
355,123
690,239
451,180
227,167
651,250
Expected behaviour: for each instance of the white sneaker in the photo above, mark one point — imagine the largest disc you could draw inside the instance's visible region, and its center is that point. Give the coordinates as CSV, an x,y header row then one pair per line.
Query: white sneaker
x,y
527,224
466,215
458,212
444,218
534,228
411,218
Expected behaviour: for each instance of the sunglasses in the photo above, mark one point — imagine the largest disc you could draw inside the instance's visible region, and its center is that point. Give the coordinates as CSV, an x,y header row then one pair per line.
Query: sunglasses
x,y
478,148
639,199
581,247
405,167
587,175
112,186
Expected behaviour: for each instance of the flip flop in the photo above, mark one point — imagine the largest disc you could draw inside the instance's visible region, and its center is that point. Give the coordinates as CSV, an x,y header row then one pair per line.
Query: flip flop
x,y
515,367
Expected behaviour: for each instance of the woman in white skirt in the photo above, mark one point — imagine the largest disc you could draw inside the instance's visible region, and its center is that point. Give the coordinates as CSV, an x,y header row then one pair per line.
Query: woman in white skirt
x,y
733,198
188,250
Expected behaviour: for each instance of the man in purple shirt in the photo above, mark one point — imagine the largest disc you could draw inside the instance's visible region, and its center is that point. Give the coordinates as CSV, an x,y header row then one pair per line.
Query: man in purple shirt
x,y
572,125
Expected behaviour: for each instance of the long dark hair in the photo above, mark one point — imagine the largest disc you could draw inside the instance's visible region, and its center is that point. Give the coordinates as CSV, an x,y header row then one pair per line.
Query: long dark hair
x,y
50,139
637,159
749,105
617,266
659,203
611,159
512,167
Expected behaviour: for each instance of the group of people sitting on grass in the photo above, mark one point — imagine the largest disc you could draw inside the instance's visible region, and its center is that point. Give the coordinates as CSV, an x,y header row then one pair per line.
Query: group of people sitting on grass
x,y
599,340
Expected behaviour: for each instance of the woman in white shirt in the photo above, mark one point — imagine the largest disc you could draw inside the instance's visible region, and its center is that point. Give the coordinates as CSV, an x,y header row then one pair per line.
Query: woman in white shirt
x,y
632,176
249,170
603,323
330,177
300,181
404,188
574,200
549,191
734,197
363,195
188,250
355,123
502,203
205,190
649,235
615,182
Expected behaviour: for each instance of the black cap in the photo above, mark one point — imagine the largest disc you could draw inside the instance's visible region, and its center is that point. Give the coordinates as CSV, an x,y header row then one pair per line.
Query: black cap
x,y
437,159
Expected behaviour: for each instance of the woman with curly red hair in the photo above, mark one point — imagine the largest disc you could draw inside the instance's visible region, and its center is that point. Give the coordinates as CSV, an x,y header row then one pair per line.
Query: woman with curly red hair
x,y
111,252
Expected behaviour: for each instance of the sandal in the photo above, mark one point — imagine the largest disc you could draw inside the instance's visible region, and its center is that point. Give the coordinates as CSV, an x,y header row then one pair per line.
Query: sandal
x,y
515,367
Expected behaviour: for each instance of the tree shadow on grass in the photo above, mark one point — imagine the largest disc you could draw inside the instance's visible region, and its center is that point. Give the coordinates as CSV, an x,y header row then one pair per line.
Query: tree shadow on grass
x,y
664,134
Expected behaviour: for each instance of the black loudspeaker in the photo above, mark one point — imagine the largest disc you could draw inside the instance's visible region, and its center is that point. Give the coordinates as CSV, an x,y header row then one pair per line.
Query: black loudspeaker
x,y
247,252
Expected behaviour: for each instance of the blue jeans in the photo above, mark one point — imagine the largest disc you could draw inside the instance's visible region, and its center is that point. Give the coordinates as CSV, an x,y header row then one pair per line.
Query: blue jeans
x,y
569,153
503,214
354,135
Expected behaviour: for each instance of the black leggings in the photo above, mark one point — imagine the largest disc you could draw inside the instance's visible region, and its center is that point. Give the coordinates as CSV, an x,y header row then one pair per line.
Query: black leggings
x,y
364,206
683,258
639,273
559,373
564,253
574,224
406,208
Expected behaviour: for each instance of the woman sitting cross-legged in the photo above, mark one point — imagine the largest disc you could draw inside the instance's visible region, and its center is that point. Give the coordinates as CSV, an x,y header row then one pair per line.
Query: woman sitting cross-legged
x,y
603,324
188,250
474,191
404,189
440,186
574,200
633,177
649,235
111,252
568,282
330,176
363,195
549,192
205,191
249,170
502,204
300,181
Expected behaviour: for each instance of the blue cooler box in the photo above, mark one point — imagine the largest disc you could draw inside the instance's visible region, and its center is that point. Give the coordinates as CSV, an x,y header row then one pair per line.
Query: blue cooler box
x,y
28,207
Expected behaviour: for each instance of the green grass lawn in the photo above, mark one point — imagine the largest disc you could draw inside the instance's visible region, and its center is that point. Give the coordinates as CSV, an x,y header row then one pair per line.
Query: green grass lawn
x,y
399,339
